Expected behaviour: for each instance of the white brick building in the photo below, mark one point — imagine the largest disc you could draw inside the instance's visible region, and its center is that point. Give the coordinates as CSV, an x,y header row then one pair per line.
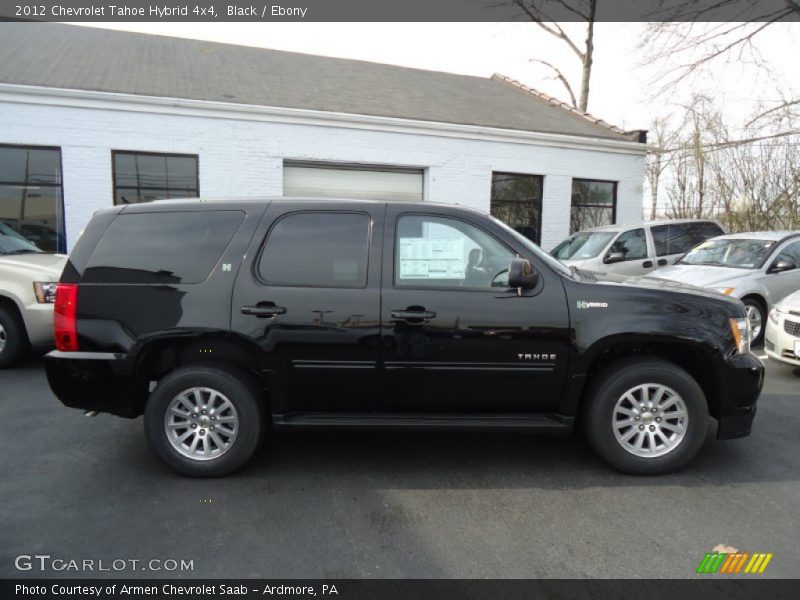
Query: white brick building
x,y
111,104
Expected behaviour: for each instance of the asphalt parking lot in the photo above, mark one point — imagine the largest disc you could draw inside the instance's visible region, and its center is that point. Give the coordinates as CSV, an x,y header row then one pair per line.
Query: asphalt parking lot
x,y
343,505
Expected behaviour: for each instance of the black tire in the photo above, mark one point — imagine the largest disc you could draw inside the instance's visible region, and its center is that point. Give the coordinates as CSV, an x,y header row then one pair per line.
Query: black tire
x,y
609,387
242,392
13,333
758,340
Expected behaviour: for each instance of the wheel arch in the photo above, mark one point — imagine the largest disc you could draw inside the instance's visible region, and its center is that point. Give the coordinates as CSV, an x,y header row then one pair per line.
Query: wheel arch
x,y
693,358
160,356
758,297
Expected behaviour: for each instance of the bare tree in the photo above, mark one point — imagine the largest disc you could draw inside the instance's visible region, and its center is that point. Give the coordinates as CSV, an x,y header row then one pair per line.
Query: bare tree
x,y
662,138
681,46
749,179
537,11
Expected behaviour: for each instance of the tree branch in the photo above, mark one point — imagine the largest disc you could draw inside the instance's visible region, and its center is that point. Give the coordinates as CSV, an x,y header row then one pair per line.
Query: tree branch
x,y
560,76
781,106
538,16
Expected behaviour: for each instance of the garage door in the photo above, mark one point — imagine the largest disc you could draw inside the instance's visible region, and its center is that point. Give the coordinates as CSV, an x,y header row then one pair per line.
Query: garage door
x,y
352,182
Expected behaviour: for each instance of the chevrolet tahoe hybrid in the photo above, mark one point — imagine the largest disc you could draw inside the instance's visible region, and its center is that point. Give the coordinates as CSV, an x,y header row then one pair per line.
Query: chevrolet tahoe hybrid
x,y
222,321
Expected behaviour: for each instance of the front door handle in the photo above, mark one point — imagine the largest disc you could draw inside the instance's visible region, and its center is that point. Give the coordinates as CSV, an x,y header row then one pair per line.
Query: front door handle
x,y
262,310
412,315
647,264
662,262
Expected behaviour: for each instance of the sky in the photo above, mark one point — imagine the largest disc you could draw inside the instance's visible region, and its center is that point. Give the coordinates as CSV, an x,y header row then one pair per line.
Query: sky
x,y
623,91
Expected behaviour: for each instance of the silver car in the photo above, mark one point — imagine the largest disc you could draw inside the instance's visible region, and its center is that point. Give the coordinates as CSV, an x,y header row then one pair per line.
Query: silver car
x,y
759,268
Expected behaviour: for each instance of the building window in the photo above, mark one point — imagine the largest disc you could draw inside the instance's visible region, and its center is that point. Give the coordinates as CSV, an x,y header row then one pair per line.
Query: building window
x,y
594,203
146,176
31,199
517,201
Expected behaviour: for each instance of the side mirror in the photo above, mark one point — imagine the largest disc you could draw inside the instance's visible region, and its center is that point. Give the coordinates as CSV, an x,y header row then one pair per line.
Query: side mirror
x,y
781,265
614,257
521,274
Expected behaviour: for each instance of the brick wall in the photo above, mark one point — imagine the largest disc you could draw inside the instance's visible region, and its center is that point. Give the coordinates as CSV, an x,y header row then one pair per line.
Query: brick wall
x,y
244,157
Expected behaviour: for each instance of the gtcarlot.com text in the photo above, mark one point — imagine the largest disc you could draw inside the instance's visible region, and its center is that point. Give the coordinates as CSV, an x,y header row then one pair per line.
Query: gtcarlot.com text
x,y
48,563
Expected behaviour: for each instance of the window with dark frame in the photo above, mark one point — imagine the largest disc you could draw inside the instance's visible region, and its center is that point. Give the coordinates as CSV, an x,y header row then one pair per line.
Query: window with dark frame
x,y
145,176
31,199
594,203
517,201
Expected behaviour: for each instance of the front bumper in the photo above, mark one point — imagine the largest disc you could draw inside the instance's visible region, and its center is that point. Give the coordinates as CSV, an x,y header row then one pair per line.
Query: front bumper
x,y
39,324
94,381
779,344
740,382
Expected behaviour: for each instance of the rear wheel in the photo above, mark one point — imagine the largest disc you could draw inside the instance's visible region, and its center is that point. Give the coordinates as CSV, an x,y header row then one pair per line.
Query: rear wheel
x,y
205,421
757,317
13,340
646,416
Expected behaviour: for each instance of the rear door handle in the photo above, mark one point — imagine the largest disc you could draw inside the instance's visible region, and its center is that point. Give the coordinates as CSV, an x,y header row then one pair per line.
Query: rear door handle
x,y
408,315
263,311
647,264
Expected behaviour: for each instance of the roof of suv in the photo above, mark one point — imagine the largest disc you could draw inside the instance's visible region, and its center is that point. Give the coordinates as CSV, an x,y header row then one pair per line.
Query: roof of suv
x,y
230,201
621,226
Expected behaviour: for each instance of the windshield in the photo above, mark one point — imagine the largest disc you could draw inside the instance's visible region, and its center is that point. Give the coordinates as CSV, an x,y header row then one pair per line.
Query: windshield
x,y
735,253
12,242
544,256
582,245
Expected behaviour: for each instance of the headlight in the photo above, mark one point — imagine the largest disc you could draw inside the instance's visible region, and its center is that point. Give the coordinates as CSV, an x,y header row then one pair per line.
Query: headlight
x,y
740,328
726,290
45,292
775,314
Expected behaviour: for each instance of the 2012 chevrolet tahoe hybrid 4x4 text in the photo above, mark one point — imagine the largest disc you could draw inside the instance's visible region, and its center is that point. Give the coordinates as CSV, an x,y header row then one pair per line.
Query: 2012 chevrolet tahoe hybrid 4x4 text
x,y
221,320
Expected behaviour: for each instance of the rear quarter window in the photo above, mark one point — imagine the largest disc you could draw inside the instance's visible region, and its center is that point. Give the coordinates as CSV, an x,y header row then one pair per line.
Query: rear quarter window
x,y
679,238
162,247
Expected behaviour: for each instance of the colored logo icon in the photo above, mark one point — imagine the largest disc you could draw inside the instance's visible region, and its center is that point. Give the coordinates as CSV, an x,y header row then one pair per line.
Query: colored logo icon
x,y
734,562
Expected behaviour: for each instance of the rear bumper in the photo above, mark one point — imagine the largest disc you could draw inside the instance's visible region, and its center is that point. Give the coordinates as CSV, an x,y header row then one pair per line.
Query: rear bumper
x,y
741,380
93,381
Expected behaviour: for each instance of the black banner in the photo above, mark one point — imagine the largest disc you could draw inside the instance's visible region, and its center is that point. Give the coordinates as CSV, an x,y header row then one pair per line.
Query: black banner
x,y
392,10
412,589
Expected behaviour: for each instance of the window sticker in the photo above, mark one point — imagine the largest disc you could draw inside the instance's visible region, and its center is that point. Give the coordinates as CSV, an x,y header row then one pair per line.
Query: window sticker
x,y
422,258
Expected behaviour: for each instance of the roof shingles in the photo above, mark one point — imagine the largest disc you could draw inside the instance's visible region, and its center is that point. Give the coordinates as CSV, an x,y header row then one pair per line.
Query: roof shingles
x,y
65,56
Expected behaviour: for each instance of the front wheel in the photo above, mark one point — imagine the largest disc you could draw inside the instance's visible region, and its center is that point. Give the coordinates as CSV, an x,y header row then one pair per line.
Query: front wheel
x,y
205,421
646,416
13,340
757,317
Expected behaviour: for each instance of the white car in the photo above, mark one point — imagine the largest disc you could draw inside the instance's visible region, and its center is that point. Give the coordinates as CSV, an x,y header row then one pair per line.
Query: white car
x,y
28,279
782,341
760,268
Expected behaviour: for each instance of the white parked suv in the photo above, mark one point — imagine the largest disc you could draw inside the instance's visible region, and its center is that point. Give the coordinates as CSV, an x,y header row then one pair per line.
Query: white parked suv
x,y
28,279
783,331
634,249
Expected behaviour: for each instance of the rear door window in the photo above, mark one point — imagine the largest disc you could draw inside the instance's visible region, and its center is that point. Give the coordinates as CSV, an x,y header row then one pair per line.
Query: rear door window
x,y
317,249
162,247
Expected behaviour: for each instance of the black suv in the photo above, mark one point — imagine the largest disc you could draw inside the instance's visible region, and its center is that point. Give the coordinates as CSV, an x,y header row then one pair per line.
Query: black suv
x,y
222,320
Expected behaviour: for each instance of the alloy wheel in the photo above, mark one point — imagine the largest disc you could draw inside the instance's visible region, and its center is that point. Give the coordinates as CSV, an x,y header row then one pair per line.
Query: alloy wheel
x,y
756,320
201,423
650,420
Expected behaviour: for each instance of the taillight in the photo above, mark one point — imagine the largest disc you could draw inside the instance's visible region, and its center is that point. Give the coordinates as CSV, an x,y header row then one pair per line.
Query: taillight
x,y
65,322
